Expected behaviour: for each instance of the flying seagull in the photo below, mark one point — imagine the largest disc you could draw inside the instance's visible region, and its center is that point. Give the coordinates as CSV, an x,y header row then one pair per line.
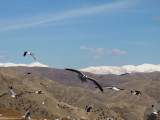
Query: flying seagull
x,y
114,88
136,92
155,110
27,114
39,92
14,94
29,53
124,74
44,101
84,78
89,107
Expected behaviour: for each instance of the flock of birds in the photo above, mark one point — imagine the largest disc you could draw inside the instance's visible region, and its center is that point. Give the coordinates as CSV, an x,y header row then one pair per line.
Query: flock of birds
x,y
83,78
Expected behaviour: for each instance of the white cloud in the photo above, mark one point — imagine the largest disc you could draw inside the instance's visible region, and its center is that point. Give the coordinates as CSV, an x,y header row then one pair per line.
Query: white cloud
x,y
143,43
101,51
3,56
115,52
70,14
96,57
85,48
156,19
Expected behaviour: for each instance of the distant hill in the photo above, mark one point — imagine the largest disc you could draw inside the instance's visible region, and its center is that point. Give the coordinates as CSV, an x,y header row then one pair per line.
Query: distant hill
x,y
69,78
67,96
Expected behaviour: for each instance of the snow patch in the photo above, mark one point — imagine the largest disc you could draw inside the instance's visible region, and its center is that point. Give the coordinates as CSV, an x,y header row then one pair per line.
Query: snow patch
x,y
35,64
123,69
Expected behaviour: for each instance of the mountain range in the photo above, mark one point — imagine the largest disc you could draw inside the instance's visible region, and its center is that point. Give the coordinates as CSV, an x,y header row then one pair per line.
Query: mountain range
x,y
101,70
67,96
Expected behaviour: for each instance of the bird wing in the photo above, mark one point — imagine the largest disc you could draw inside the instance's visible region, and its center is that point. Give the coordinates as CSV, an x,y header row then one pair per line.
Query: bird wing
x,y
73,70
20,94
123,74
96,83
154,109
33,55
109,87
26,112
3,95
88,109
25,53
137,91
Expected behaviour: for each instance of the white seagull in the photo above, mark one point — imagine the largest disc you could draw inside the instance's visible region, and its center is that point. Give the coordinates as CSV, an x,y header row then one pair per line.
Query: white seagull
x,y
38,92
84,78
44,102
155,110
114,88
14,94
27,114
29,53
136,92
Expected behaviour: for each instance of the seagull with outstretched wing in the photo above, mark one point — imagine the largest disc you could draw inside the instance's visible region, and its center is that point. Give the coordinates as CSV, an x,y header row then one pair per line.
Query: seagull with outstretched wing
x,y
84,78
14,94
29,53
124,74
27,114
114,88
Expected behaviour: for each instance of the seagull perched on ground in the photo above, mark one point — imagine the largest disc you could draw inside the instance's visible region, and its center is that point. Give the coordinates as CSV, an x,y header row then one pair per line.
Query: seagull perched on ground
x,y
14,94
114,88
136,92
29,53
89,107
27,114
84,78
155,110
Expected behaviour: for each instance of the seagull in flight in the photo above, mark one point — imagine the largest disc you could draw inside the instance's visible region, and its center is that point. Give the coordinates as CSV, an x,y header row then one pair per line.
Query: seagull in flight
x,y
124,74
136,92
155,110
38,92
29,53
84,78
44,101
114,88
14,94
27,114
89,107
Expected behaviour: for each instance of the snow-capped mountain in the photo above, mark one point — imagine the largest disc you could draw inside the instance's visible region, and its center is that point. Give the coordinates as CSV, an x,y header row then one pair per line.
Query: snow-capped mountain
x,y
123,69
35,64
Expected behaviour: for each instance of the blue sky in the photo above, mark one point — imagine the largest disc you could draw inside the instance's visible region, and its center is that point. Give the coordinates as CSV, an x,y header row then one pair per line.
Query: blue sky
x,y
80,33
